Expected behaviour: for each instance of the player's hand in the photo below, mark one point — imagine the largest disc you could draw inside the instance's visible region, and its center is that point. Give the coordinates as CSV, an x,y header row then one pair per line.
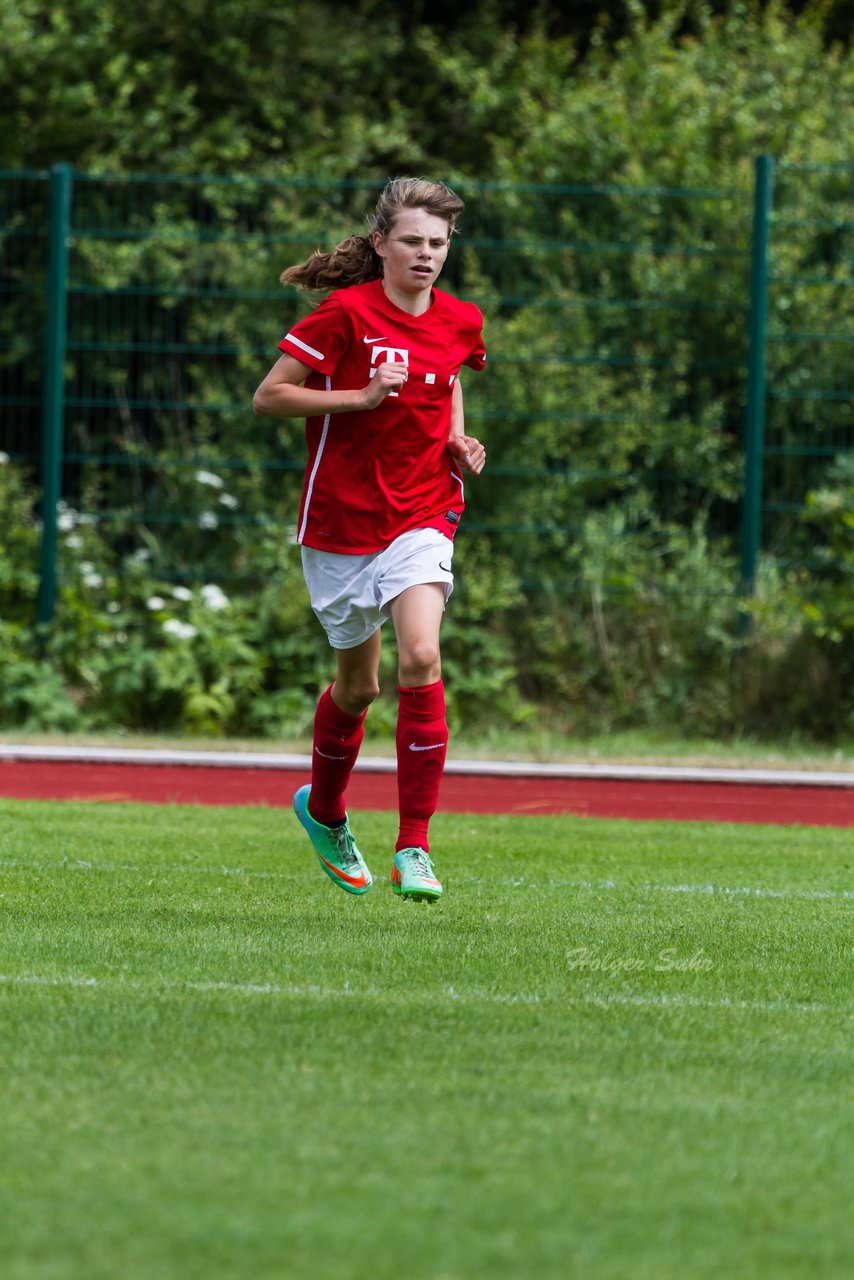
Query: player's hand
x,y
468,452
388,377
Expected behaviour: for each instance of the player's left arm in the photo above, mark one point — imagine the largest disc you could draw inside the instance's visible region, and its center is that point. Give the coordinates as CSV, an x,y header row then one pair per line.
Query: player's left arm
x,y
465,450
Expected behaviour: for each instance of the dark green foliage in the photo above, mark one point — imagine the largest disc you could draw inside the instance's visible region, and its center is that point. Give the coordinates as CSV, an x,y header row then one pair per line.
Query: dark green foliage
x,y
667,90
598,558
810,677
652,635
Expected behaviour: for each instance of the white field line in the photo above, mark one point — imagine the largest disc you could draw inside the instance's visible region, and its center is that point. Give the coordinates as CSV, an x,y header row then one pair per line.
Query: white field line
x,y
595,886
476,768
311,991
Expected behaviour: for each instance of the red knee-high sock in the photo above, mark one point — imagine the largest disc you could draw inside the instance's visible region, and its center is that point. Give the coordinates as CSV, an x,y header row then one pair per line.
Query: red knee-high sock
x,y
337,738
422,743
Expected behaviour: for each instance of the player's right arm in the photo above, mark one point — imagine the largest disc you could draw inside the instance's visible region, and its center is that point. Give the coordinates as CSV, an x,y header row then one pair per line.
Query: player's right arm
x,y
282,395
465,450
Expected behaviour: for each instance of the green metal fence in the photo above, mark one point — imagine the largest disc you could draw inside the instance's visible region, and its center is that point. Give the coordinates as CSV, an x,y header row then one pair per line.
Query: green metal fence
x,y
652,359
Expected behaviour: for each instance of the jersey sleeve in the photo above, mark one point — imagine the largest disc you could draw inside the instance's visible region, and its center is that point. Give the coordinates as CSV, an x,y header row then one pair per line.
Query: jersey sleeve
x,y
319,338
476,359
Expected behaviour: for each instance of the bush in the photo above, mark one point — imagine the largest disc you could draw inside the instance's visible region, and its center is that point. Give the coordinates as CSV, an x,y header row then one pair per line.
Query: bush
x,y
643,631
651,637
809,680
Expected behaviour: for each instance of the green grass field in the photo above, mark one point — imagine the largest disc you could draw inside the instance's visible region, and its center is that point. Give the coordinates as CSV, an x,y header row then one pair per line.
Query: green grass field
x,y
614,1050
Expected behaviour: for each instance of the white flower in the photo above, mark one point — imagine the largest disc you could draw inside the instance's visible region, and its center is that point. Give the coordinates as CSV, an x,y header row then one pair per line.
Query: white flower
x,y
208,477
182,593
74,541
229,500
65,521
154,603
214,597
93,580
4,458
141,555
181,630
207,520
113,606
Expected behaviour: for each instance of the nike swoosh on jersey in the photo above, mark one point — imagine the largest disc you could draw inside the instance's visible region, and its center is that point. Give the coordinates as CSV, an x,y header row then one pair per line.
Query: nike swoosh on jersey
x,y
434,747
370,340
446,567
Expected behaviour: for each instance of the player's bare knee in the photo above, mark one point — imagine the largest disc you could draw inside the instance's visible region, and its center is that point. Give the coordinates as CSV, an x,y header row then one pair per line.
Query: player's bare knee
x,y
420,663
356,695
369,693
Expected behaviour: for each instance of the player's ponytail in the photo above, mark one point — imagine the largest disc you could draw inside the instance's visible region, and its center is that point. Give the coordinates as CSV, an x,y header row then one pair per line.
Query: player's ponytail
x,y
354,260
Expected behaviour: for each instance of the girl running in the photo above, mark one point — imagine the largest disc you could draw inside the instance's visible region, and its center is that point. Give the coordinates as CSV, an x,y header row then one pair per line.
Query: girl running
x,y
375,372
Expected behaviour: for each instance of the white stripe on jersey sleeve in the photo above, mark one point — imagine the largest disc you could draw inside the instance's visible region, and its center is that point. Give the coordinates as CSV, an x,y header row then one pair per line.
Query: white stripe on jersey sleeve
x,y
303,346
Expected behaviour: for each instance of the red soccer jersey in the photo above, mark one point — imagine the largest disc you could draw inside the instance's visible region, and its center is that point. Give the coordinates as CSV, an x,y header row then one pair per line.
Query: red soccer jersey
x,y
374,474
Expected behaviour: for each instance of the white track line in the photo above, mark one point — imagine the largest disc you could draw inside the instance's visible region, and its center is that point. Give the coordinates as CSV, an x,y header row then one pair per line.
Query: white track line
x,y
602,1000
595,886
478,768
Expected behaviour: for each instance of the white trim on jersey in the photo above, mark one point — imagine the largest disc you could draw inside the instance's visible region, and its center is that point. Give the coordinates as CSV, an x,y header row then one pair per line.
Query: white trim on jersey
x,y
303,346
310,484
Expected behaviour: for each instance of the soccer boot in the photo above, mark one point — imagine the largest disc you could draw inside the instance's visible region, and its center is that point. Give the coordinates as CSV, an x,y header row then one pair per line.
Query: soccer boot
x,y
412,876
335,847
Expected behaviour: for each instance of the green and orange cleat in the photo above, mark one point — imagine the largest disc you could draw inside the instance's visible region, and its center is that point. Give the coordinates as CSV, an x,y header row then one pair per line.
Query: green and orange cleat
x,y
335,847
412,876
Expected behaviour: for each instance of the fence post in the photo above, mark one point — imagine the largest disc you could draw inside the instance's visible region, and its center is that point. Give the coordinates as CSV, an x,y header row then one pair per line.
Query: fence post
x,y
53,414
755,413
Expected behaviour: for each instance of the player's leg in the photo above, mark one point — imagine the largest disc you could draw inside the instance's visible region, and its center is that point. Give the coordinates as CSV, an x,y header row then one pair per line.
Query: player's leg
x,y
339,727
338,732
342,596
422,734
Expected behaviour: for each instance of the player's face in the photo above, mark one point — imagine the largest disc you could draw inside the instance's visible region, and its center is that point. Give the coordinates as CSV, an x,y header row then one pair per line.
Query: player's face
x,y
414,251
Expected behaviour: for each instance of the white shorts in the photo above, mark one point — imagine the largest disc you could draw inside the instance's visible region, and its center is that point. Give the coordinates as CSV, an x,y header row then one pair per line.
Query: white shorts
x,y
352,595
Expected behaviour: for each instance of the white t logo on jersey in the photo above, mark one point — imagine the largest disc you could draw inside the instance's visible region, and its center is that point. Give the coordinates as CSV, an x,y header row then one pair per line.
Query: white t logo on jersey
x,y
389,355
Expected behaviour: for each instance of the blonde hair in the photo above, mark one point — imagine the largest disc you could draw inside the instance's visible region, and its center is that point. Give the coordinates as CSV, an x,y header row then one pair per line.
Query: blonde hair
x,y
354,260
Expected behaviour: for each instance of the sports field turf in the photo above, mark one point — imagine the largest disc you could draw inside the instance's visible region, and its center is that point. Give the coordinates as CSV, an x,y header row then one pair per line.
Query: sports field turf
x,y
613,1050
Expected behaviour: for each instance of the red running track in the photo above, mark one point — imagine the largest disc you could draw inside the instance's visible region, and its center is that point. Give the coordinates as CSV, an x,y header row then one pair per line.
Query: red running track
x,y
824,806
